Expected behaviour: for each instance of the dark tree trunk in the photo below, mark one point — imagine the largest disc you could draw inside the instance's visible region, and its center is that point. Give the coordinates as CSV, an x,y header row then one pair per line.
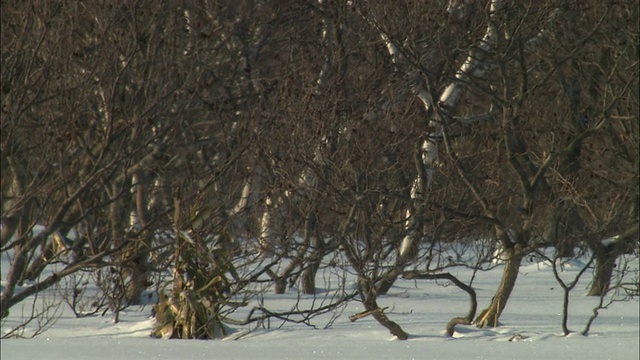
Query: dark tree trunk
x,y
491,315
308,279
388,280
605,263
606,256
138,274
280,285
403,259
18,266
371,305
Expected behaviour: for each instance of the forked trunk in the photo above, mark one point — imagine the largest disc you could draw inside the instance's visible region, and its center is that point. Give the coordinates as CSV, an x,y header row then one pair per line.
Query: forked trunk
x,y
408,253
371,305
491,315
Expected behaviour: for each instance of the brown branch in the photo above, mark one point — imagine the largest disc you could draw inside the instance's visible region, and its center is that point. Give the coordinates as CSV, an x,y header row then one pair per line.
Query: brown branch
x,y
466,320
366,313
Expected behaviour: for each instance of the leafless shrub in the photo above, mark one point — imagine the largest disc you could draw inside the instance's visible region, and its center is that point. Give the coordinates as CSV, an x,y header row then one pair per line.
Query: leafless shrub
x,y
38,316
381,132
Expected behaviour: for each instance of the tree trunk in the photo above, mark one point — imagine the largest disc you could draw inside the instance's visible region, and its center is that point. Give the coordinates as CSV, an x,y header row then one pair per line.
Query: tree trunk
x,y
371,305
605,263
407,253
606,256
389,279
265,237
138,278
148,205
9,227
308,279
280,285
18,265
490,315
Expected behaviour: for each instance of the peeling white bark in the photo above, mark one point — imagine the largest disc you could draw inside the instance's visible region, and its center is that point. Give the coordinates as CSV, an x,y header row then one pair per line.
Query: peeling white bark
x,y
472,67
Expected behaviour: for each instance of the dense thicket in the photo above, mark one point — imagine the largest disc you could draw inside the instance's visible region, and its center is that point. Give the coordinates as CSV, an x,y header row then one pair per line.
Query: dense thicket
x,y
139,136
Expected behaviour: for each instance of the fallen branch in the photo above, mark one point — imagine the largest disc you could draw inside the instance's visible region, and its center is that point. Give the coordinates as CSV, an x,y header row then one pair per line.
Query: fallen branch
x,y
366,313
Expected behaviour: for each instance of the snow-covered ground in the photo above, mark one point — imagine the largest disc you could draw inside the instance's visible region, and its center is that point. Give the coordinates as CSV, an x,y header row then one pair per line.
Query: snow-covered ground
x,y
421,307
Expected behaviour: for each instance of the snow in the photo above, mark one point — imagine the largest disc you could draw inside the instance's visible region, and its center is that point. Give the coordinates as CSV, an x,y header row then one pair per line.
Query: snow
x,y
531,319
320,345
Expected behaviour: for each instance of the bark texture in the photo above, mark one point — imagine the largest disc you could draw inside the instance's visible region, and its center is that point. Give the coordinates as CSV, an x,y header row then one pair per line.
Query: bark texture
x,y
491,315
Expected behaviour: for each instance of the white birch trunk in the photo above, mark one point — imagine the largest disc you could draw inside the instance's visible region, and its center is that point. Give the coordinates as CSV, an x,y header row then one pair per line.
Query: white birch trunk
x,y
242,203
265,228
448,101
307,179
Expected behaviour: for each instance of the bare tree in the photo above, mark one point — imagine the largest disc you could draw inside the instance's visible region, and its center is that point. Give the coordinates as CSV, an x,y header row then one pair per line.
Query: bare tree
x,y
485,112
371,133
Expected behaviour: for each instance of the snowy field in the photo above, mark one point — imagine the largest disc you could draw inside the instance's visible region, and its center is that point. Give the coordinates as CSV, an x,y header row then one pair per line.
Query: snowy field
x,y
422,308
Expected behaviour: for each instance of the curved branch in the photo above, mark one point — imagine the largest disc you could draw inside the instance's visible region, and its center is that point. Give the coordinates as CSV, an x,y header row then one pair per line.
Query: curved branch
x,y
473,306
